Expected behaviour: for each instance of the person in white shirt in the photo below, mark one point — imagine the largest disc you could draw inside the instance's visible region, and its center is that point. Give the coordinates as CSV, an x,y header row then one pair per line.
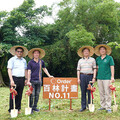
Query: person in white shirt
x,y
17,71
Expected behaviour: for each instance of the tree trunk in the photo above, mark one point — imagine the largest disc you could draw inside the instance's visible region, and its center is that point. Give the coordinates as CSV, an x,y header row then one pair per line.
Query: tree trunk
x,y
1,66
1,80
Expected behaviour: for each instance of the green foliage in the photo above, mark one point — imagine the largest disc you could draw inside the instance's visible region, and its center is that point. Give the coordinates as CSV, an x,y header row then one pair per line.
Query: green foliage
x,y
115,49
26,17
36,35
80,37
21,26
2,16
79,23
55,56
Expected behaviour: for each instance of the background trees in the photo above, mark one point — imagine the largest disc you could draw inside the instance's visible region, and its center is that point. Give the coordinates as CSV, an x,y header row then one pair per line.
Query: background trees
x,y
79,23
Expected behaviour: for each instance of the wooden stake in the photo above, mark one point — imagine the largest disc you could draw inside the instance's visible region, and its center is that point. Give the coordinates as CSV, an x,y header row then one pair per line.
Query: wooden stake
x,y
71,104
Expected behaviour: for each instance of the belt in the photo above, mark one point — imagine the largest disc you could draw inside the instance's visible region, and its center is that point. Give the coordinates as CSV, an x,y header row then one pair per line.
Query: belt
x,y
17,77
86,73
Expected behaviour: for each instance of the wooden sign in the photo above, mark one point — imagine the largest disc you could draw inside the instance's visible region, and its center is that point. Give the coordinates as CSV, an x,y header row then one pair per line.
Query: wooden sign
x,y
60,88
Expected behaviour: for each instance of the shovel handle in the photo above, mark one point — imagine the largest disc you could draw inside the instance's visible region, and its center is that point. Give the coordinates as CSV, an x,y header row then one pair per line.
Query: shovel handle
x,y
14,102
14,87
114,97
28,101
91,96
113,93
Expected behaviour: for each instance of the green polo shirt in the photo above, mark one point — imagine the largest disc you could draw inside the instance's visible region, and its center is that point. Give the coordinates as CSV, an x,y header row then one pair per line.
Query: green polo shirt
x,y
104,71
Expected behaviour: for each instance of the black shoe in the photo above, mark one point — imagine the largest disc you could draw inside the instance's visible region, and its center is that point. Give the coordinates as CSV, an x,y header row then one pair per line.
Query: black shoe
x,y
81,110
101,109
36,110
31,111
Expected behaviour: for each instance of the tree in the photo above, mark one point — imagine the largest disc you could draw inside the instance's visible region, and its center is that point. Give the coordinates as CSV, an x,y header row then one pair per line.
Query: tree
x,y
79,23
3,60
94,21
21,26
80,37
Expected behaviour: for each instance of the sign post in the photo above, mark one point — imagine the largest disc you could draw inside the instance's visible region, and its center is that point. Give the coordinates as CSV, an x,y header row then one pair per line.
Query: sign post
x,y
60,88
71,104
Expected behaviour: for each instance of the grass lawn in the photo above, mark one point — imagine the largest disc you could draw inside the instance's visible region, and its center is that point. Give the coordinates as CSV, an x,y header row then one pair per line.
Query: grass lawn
x,y
59,108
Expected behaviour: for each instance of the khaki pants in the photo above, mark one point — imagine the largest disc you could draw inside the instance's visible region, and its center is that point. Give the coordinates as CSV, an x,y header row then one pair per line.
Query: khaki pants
x,y
105,93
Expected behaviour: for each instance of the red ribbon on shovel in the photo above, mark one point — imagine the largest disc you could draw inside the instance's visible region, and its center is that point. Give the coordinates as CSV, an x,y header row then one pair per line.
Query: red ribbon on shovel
x,y
13,92
92,89
112,88
29,91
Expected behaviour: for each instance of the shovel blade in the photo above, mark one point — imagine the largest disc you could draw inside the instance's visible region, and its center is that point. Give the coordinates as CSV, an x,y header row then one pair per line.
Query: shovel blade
x,y
28,111
14,113
115,108
91,108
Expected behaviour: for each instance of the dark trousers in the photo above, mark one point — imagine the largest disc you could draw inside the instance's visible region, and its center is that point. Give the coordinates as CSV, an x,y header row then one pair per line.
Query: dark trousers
x,y
19,81
84,81
34,97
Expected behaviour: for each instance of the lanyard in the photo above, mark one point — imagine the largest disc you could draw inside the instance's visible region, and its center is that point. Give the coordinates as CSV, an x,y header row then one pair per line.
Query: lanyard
x,y
40,70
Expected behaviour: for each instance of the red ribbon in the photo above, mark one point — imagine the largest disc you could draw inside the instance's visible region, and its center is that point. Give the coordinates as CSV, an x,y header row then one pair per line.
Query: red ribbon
x,y
29,91
92,95
13,92
92,89
113,89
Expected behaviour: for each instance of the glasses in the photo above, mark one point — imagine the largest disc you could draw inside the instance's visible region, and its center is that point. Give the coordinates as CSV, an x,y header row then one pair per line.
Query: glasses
x,y
20,51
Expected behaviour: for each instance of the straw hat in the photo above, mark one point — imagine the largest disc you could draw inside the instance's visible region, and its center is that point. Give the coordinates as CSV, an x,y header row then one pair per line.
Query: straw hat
x,y
12,50
88,47
30,53
102,45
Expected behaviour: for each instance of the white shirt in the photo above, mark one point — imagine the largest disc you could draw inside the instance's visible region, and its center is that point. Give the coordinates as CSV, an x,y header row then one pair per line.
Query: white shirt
x,y
17,66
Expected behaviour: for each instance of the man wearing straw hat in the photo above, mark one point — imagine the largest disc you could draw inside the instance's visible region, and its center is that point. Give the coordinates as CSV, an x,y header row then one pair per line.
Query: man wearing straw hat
x,y
105,75
17,71
86,71
35,74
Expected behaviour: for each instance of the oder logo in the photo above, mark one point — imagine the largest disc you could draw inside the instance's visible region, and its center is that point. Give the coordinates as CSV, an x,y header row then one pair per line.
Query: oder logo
x,y
59,81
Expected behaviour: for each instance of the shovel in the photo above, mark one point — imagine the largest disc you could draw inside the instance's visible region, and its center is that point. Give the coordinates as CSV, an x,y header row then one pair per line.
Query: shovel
x,y
14,112
28,110
114,106
91,106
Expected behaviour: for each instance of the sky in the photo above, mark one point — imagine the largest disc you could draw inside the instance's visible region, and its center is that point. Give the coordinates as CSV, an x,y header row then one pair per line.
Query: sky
x,y
8,5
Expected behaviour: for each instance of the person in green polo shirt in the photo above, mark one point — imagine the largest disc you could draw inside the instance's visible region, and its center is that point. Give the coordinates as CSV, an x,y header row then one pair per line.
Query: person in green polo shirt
x,y
105,75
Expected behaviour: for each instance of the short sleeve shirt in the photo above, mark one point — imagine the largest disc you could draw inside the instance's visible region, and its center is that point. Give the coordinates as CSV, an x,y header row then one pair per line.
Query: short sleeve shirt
x,y
104,70
35,69
18,66
86,65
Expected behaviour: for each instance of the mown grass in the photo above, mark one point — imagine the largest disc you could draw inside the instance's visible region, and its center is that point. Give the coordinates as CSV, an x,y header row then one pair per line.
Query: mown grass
x,y
59,108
